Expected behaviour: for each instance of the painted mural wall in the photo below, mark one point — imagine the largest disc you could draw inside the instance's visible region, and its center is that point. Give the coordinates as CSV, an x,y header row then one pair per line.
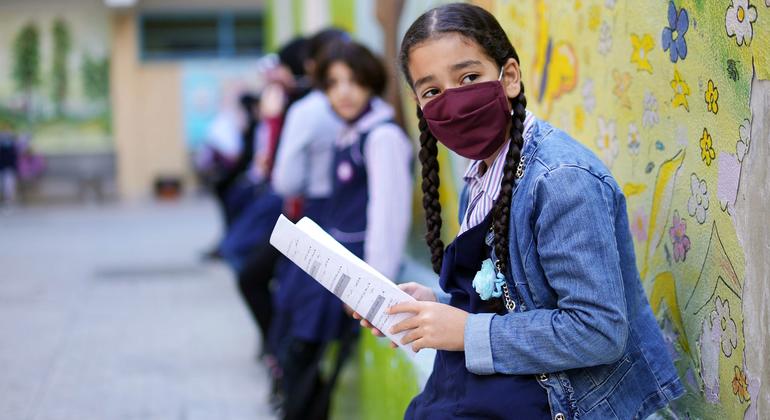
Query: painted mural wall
x,y
54,74
661,91
673,95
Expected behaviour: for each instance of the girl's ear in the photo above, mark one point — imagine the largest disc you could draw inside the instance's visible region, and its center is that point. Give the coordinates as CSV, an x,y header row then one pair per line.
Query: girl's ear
x,y
511,78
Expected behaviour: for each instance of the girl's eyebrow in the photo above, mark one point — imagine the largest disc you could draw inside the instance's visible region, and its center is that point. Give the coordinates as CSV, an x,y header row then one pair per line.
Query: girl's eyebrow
x,y
422,80
465,64
455,67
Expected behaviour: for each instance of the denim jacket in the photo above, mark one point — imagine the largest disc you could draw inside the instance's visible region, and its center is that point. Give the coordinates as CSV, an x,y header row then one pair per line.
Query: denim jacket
x,y
582,323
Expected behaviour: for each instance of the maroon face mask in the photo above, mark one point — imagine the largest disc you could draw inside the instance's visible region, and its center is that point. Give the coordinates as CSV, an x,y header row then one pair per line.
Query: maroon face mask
x,y
470,120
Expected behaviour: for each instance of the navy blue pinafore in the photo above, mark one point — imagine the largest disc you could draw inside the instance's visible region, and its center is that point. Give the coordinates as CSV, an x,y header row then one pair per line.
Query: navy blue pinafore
x,y
454,392
315,314
309,312
350,196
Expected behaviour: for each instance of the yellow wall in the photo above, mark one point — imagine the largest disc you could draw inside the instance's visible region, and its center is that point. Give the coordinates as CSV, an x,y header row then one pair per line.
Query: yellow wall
x,y
147,114
677,131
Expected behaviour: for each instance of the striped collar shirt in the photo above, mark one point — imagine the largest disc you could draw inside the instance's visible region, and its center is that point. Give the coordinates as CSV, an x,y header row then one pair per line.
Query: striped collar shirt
x,y
484,186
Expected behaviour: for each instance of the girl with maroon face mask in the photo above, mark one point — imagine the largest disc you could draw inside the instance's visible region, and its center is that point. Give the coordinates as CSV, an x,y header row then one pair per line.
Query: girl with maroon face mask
x,y
545,316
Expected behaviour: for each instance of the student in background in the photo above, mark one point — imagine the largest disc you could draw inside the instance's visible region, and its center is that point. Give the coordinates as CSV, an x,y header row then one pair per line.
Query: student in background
x,y
303,168
8,167
369,212
370,206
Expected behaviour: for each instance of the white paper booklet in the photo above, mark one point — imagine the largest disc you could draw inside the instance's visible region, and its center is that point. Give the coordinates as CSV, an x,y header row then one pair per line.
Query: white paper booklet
x,y
352,280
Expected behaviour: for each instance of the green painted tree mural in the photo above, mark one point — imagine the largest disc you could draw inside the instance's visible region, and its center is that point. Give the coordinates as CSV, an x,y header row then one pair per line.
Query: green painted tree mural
x,y
62,43
96,85
26,62
96,77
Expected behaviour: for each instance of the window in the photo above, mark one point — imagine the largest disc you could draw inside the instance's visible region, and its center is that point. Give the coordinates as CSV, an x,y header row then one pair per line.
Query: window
x,y
200,35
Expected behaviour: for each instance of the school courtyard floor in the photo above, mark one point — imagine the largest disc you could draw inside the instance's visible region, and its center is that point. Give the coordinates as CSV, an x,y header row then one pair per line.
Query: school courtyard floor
x,y
106,312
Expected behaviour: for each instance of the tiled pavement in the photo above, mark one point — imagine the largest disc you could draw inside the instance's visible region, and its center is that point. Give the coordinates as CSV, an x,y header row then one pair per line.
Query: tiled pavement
x,y
107,313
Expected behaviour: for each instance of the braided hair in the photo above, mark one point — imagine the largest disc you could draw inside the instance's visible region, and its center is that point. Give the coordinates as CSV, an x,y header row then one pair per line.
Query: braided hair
x,y
478,25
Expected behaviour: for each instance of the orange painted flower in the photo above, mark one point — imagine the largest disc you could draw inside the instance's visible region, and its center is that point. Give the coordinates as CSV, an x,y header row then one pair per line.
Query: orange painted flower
x,y
622,83
741,385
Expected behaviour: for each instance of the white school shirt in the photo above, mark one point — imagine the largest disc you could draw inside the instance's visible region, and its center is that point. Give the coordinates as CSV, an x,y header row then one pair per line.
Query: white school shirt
x,y
483,189
306,150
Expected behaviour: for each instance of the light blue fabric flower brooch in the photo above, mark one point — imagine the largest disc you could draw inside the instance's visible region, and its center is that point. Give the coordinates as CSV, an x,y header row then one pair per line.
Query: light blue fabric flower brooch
x,y
487,283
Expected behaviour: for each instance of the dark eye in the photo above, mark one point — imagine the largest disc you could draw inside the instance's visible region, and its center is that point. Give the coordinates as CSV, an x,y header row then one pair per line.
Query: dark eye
x,y
470,78
430,93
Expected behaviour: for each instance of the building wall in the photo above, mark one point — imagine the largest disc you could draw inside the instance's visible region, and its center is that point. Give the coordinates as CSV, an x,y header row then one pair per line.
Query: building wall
x,y
685,134
151,127
147,113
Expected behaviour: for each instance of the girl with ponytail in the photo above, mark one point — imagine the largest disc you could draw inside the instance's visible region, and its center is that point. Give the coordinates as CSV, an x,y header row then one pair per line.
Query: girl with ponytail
x,y
547,316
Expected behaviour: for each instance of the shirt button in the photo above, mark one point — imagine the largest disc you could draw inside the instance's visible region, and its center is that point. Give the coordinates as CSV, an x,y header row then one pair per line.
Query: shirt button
x,y
559,416
543,377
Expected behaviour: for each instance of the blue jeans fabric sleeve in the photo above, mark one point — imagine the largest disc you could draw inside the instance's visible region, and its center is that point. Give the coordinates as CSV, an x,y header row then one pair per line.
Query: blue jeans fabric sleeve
x,y
478,346
573,227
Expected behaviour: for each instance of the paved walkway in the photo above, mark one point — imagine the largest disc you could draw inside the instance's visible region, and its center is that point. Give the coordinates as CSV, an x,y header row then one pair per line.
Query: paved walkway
x,y
106,313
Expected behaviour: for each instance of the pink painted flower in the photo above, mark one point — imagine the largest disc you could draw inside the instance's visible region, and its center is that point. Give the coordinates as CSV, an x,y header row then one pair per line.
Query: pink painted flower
x,y
679,239
639,223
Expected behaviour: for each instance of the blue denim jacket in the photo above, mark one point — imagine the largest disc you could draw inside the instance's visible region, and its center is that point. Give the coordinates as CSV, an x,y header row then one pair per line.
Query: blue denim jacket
x,y
582,322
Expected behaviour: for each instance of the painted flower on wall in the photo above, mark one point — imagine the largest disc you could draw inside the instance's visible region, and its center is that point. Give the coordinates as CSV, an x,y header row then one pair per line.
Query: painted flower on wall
x,y
639,224
580,118
605,38
681,91
721,316
739,19
728,181
594,17
712,97
634,141
698,203
679,238
672,37
709,343
707,152
650,115
742,146
607,141
589,100
741,385
622,83
640,54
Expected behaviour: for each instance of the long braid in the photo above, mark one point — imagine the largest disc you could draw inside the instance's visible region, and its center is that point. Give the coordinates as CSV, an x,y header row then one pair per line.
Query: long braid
x,y
502,208
430,198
